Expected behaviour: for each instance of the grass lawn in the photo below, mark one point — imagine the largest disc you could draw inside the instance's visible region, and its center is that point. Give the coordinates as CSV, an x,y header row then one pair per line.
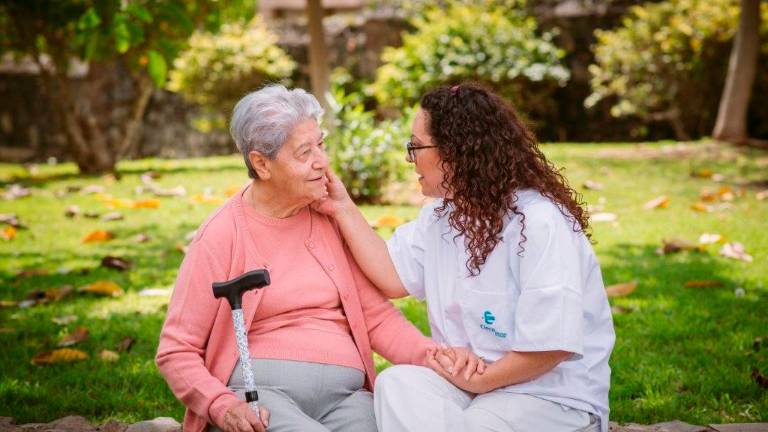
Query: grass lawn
x,y
681,353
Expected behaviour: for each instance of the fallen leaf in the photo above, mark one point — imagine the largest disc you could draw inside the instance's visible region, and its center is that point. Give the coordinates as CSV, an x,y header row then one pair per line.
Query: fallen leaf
x,y
676,245
8,303
72,211
702,173
658,202
92,189
92,214
230,191
726,194
150,203
178,191
64,320
31,272
603,217
63,355
35,295
142,238
116,263
701,207
8,233
205,199
621,290
703,284
16,191
109,356
115,203
763,194
56,294
707,238
593,185
97,236
103,287
735,250
716,177
12,220
707,195
126,344
113,216
388,221
77,336
621,310
759,378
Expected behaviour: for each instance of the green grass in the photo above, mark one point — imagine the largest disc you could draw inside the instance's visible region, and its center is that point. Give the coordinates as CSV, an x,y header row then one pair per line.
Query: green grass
x,y
683,353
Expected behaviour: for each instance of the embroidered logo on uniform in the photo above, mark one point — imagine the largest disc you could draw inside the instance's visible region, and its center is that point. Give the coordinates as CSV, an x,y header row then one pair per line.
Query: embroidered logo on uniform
x,y
489,319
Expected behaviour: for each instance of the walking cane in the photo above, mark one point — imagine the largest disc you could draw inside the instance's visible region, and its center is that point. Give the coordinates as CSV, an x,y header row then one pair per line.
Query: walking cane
x,y
233,291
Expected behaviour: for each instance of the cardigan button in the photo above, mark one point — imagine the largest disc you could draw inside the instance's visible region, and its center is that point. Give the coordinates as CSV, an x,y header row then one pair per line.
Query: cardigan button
x,y
331,267
310,244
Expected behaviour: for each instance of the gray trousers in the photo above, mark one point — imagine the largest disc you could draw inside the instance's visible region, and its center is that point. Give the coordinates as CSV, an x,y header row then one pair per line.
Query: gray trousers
x,y
311,397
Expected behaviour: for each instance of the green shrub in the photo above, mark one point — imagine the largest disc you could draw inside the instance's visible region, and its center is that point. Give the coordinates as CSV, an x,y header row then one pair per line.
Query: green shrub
x,y
667,61
218,69
365,154
495,45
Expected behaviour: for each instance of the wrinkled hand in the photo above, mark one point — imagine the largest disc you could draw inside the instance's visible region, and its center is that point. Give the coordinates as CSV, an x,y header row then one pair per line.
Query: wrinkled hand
x,y
337,198
457,365
241,418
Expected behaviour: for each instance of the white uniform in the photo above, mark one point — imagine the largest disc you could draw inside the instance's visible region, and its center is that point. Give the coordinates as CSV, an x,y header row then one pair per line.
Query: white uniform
x,y
549,296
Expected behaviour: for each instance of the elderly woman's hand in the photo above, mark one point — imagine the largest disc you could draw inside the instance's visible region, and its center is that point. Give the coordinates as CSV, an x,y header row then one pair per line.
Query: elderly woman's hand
x,y
459,366
337,198
241,418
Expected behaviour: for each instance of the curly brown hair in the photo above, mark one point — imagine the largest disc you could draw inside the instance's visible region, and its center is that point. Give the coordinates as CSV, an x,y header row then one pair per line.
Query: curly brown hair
x,y
488,154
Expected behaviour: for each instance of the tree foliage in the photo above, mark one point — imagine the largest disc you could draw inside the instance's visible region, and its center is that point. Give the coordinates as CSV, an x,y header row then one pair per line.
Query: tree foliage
x,y
480,41
664,59
217,69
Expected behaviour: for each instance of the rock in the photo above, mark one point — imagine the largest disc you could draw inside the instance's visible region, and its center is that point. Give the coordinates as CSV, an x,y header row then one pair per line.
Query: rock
x,y
71,424
8,424
740,427
159,424
113,426
671,426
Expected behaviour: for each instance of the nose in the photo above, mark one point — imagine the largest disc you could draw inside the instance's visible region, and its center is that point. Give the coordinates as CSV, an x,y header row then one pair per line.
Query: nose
x,y
408,158
321,162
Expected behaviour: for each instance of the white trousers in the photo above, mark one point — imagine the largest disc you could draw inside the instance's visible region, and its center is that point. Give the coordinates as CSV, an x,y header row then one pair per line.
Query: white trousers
x,y
414,398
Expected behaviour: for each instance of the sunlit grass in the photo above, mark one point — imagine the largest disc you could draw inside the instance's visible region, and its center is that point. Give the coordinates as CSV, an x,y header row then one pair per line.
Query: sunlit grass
x,y
684,353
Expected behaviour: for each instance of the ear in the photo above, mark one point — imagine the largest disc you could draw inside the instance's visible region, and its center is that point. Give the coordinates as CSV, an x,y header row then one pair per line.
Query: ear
x,y
260,164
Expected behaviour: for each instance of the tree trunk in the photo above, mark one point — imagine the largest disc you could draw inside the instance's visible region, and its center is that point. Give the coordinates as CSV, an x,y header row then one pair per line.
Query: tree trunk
x,y
319,71
731,124
100,125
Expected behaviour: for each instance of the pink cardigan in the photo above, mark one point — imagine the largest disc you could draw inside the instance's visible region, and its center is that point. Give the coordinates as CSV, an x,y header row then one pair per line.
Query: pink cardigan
x,y
197,350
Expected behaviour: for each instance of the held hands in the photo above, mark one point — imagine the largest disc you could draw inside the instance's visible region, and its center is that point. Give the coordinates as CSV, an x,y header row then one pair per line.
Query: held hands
x,y
459,366
336,200
241,418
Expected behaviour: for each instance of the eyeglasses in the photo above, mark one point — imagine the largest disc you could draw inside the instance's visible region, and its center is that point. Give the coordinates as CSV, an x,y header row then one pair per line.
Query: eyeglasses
x,y
412,149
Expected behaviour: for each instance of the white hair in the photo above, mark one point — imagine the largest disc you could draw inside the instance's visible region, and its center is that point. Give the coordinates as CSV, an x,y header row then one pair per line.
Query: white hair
x,y
263,120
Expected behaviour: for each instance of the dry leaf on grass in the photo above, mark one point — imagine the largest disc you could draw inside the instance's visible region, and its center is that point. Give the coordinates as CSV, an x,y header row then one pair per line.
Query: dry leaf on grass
x,y
63,355
116,263
230,191
621,310
205,199
80,334
92,189
16,191
657,203
103,287
593,185
710,238
64,320
388,221
56,294
701,207
150,203
603,217
621,290
736,251
8,233
109,356
142,238
8,303
763,194
97,236
703,284
676,245
111,217
72,211
126,344
702,173
12,220
31,272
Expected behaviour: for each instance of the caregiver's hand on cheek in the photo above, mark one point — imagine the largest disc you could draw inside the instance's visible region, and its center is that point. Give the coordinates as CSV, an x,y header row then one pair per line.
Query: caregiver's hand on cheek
x,y
336,200
458,365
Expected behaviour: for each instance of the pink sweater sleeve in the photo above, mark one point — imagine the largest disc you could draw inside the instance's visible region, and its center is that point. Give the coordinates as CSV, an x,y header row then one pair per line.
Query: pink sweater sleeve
x,y
183,339
391,335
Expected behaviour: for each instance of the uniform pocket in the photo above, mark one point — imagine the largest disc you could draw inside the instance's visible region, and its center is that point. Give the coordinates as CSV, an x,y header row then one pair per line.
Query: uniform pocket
x,y
488,319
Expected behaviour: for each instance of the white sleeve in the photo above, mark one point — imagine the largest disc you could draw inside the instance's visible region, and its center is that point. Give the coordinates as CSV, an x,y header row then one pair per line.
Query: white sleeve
x,y
549,312
406,248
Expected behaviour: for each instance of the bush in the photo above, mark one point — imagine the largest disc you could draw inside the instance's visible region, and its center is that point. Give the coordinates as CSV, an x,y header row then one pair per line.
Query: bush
x,y
218,69
483,42
365,154
667,61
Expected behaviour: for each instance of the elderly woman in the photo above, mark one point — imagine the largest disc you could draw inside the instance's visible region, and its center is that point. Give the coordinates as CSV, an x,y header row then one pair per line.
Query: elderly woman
x,y
311,332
